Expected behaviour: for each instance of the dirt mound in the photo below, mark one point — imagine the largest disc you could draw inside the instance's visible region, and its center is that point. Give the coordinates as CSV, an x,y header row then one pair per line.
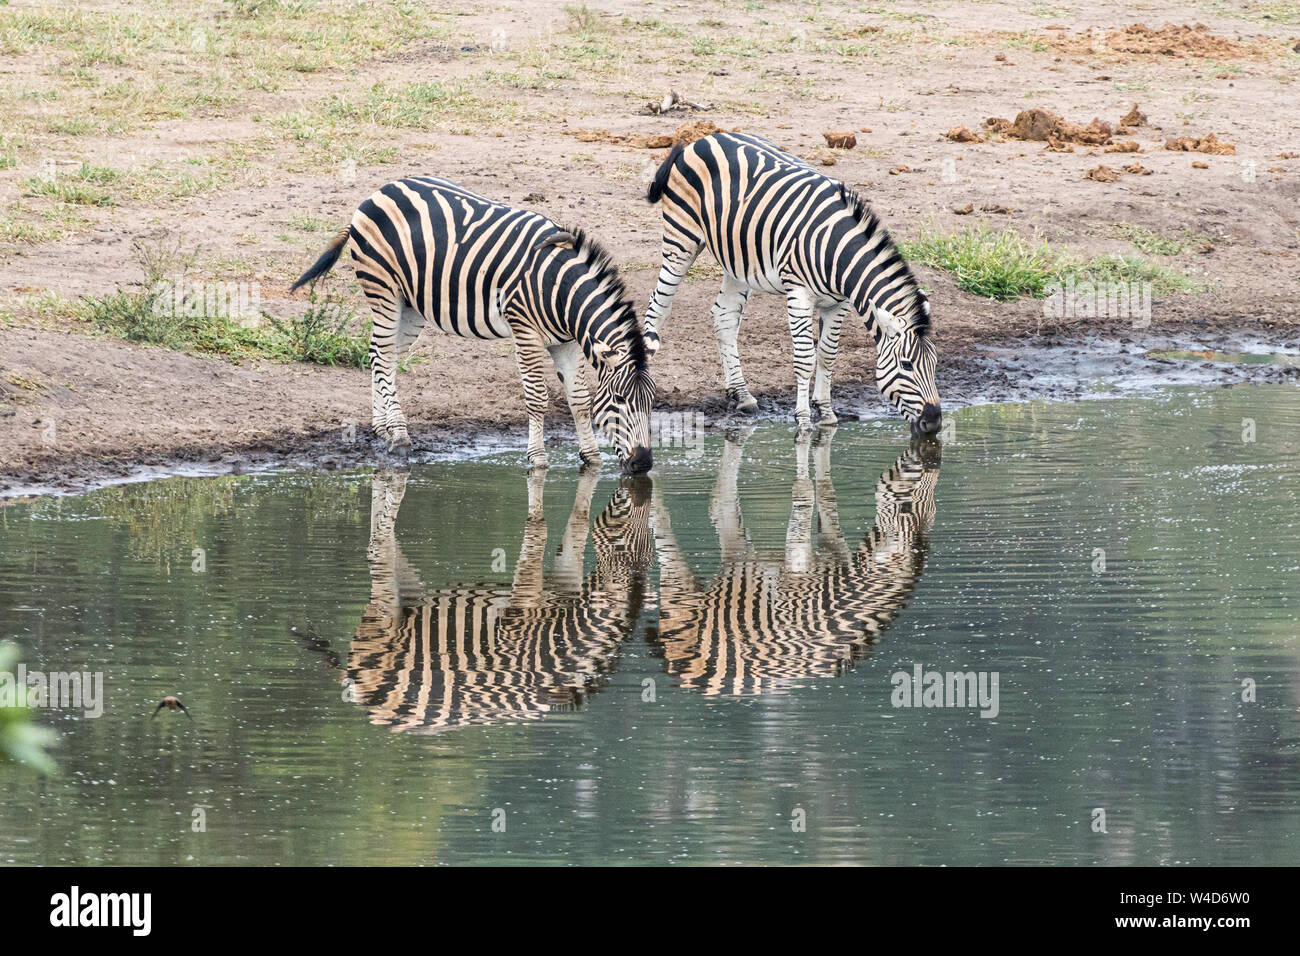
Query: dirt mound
x,y
685,135
1172,40
1041,126
1134,117
1209,144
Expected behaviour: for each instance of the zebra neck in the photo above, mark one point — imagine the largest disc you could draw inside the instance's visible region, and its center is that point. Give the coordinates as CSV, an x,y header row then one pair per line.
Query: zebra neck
x,y
896,295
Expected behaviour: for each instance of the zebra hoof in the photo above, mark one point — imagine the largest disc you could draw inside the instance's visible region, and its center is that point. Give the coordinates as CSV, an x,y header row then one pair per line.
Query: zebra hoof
x,y
539,465
399,440
747,405
590,463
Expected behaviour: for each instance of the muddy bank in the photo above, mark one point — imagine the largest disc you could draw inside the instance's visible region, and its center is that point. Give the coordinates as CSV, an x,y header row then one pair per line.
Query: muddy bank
x,y
90,412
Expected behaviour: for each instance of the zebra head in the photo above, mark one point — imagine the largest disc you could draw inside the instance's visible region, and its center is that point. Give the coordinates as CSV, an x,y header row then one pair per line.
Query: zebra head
x,y
590,303
621,406
905,365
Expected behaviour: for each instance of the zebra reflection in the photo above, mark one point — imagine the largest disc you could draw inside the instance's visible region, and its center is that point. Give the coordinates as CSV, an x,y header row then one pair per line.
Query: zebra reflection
x,y
766,620
430,659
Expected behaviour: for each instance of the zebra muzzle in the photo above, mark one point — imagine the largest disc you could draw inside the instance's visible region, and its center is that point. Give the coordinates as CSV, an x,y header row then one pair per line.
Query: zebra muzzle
x,y
639,462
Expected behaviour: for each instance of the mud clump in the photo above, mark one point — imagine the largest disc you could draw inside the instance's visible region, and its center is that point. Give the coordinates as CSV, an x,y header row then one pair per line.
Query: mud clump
x,y
1044,126
1174,40
1102,174
1133,118
1181,41
1128,146
690,132
1209,144
840,140
1136,169
962,134
685,135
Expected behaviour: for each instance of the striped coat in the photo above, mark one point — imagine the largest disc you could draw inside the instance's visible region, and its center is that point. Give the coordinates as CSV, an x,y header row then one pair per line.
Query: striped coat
x,y
429,251
764,622
774,224
431,659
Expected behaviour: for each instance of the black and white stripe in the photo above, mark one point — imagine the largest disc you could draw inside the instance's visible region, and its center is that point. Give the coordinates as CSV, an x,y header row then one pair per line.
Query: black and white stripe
x,y
430,659
765,621
427,250
776,225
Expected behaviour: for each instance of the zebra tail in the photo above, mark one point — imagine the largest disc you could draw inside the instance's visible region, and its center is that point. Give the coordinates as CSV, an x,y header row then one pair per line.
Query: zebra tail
x,y
661,178
326,262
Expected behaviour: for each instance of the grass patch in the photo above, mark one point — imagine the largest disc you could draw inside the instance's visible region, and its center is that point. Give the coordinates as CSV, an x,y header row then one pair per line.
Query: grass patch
x,y
322,335
1003,265
84,187
194,319
996,265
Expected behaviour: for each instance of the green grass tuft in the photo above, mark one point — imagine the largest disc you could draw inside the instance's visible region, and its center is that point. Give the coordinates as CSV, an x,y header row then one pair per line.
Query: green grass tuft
x,y
1004,265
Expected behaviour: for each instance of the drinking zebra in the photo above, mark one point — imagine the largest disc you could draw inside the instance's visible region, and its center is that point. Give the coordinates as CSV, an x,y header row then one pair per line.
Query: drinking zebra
x,y
764,621
426,249
430,659
775,224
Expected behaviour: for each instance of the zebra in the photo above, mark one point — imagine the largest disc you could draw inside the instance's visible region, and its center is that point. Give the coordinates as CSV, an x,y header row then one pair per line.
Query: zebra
x,y
765,622
427,249
425,660
775,224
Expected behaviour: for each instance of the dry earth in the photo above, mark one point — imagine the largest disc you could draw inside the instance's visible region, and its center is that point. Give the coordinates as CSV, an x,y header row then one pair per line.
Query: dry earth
x,y
287,138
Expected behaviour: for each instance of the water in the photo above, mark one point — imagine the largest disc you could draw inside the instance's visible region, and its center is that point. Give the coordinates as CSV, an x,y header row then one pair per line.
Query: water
x,y
388,668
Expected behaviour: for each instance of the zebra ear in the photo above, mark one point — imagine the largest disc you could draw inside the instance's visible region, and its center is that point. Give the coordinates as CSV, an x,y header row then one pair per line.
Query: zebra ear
x,y
886,322
565,239
605,354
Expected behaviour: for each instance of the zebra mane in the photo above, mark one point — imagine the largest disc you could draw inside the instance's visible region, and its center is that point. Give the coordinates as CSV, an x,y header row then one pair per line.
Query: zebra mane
x,y
872,225
607,275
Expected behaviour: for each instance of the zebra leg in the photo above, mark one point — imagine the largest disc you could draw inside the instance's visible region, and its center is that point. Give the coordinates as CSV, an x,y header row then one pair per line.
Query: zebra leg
x,y
529,355
568,366
828,345
396,326
828,512
526,589
566,575
799,304
677,261
386,305
728,310
724,502
798,530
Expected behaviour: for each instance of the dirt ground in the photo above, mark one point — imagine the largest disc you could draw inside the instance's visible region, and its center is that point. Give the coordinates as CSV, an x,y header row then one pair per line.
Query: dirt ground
x,y
77,407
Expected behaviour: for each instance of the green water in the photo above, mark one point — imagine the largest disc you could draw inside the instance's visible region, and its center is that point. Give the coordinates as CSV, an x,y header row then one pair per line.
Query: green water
x,y
401,669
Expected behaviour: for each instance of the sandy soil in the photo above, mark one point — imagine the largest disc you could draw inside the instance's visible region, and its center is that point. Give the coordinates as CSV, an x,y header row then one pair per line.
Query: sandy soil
x,y
77,408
